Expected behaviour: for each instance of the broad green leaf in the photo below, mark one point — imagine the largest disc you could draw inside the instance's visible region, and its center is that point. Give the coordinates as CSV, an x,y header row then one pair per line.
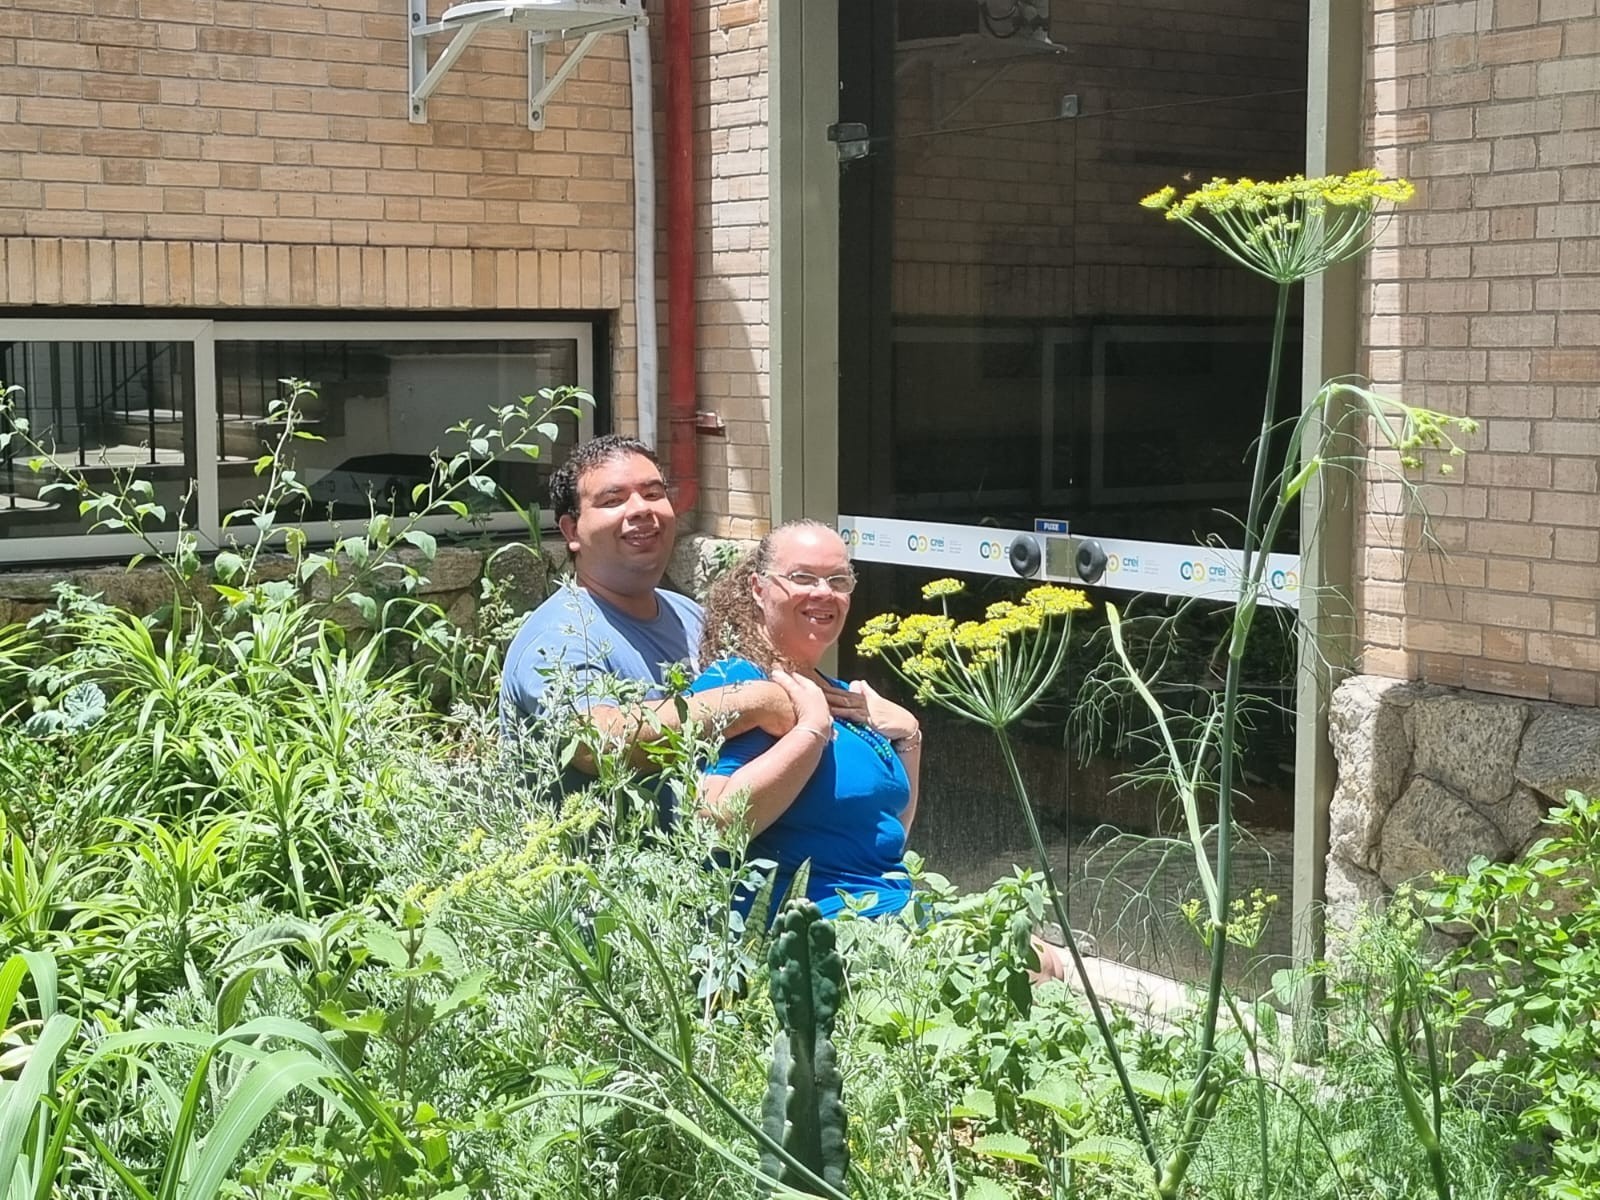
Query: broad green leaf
x,y
369,1021
945,1038
1007,1146
975,1103
1061,1096
423,541
984,1188
227,564
1108,1151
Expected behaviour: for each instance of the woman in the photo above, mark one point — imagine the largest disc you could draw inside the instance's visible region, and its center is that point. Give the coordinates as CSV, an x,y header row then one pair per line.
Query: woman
x,y
839,793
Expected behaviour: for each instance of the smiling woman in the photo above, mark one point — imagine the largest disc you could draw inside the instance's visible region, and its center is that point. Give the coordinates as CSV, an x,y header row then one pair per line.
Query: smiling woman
x,y
837,790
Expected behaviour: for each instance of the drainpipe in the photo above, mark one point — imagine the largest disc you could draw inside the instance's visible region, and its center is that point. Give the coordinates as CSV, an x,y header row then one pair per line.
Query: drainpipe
x,y
648,364
683,471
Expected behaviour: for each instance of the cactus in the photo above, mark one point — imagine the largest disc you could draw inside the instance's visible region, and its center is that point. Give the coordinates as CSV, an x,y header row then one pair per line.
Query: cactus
x,y
804,1109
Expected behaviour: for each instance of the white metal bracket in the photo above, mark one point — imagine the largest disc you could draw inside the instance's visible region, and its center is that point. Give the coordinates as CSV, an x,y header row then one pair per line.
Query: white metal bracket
x,y
546,21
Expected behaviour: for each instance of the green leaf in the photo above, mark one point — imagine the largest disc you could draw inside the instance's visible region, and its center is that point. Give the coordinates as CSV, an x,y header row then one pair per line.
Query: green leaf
x,y
423,541
975,1103
983,1188
19,1101
257,1097
945,1038
548,430
227,564
1108,1151
1061,1096
365,605
368,1021
1007,1146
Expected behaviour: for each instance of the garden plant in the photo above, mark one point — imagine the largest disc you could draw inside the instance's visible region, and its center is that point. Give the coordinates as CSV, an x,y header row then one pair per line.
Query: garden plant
x,y
280,917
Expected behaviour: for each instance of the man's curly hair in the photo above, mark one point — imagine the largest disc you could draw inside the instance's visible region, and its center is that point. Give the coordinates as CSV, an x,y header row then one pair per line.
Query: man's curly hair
x,y
584,458
734,625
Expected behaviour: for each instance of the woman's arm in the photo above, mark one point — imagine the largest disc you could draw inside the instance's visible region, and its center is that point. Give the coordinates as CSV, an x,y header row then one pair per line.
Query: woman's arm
x,y
775,776
909,750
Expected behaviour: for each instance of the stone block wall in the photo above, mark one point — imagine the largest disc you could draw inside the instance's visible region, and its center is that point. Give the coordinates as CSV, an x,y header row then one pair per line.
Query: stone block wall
x,y
453,581
1484,299
1430,777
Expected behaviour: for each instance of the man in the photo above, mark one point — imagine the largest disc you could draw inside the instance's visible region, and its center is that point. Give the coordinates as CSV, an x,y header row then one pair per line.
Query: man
x,y
612,508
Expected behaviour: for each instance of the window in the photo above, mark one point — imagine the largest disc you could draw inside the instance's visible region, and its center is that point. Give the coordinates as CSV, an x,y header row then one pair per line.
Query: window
x,y
186,405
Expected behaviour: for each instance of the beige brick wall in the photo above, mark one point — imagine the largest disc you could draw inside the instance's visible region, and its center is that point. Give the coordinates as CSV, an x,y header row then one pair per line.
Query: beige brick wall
x,y
257,154
233,154
729,40
1485,300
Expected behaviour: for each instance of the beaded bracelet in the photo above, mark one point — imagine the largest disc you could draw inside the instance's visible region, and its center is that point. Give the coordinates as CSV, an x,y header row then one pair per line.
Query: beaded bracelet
x,y
908,743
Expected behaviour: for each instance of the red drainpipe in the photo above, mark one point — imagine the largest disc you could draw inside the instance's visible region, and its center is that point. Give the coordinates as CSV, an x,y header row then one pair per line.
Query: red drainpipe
x,y
683,470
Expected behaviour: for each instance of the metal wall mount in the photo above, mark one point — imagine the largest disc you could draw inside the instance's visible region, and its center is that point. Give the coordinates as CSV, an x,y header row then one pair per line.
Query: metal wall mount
x,y
546,21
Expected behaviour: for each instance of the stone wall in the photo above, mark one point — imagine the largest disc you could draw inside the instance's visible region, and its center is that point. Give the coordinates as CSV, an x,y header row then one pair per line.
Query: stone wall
x,y
522,576
453,581
1430,777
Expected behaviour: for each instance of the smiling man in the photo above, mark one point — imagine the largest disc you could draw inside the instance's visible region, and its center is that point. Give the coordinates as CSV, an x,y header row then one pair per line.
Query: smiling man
x,y
615,621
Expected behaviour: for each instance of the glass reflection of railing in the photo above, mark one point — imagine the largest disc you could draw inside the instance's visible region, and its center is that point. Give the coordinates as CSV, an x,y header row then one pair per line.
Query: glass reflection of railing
x,y
96,405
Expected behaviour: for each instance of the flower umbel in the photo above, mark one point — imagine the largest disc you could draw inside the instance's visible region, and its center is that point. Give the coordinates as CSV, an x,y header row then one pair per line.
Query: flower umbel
x,y
1291,229
990,671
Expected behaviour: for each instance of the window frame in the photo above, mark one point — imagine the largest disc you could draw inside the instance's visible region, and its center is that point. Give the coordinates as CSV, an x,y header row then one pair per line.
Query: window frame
x,y
204,334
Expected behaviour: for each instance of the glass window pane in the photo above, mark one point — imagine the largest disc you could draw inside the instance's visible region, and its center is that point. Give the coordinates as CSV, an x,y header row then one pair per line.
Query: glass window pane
x,y
1019,339
108,410
380,409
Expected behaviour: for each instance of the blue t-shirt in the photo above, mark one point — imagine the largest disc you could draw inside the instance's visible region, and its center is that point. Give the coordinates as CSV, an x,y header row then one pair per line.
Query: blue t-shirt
x,y
846,819
586,642
570,649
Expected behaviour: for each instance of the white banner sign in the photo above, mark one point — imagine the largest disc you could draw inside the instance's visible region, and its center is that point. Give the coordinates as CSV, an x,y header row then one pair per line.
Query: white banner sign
x,y
1157,567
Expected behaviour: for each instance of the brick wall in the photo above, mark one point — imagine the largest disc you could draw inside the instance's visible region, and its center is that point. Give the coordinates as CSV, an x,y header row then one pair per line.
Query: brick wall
x,y
232,154
729,39
1485,299
240,155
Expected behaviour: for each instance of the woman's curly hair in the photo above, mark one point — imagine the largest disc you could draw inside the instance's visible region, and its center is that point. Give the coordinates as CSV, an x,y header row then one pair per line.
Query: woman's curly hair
x,y
734,625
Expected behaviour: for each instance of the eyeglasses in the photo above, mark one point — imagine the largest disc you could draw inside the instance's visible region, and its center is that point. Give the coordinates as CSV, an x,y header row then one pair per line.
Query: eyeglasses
x,y
842,584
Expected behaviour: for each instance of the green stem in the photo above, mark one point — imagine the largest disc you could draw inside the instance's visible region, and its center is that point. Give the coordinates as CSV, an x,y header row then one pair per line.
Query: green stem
x,y
1244,614
1135,1108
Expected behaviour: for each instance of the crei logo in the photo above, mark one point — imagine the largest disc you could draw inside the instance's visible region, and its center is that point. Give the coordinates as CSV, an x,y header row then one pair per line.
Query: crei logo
x,y
1286,581
1113,563
849,537
991,550
1195,571
917,543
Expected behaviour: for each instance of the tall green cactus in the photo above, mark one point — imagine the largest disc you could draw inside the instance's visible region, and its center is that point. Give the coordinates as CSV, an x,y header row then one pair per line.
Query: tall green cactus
x,y
804,1109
